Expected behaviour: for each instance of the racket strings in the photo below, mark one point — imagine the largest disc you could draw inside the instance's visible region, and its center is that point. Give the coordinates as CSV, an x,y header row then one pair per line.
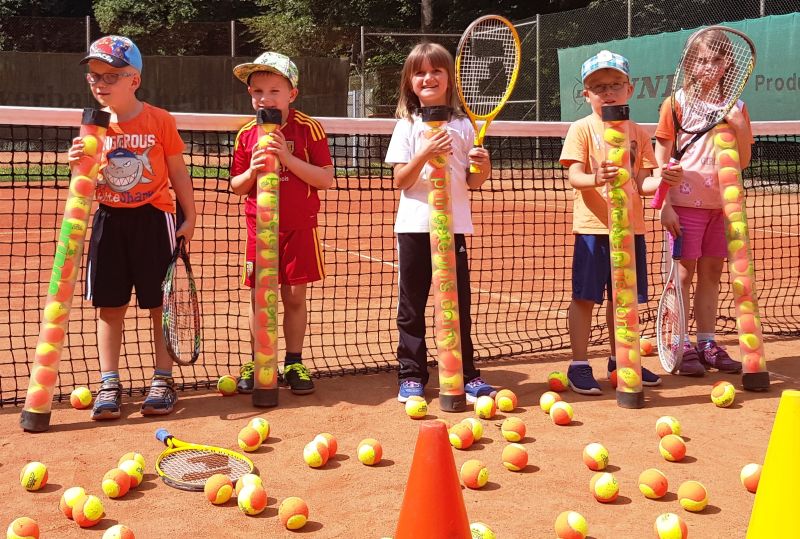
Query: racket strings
x,y
487,60
193,466
181,312
670,324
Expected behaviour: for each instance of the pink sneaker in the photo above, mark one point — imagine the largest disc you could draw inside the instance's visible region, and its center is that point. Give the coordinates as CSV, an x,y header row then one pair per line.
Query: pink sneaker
x,y
690,363
714,356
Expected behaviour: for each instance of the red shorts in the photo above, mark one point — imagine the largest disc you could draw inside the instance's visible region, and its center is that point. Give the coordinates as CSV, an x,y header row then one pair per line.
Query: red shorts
x,y
299,253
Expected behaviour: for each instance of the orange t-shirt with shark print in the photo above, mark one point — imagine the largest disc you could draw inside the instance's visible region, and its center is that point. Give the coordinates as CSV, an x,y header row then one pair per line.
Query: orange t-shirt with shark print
x,y
134,164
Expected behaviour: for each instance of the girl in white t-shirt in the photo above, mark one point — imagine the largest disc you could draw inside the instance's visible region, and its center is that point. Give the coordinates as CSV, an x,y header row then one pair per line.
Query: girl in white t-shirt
x,y
427,80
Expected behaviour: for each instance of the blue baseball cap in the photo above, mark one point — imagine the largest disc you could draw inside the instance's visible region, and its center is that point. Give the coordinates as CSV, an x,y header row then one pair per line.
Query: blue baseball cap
x,y
116,51
605,60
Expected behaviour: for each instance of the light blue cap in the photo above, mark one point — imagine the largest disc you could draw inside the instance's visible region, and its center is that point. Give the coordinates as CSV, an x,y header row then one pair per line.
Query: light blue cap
x,y
605,60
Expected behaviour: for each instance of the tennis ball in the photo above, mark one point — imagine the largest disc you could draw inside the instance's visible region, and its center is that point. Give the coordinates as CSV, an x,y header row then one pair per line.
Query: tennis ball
x,y
218,489
369,451
693,496
619,180
614,136
723,394
81,186
476,425
742,286
505,400
262,427
653,483
293,513
461,436
746,307
132,455
55,312
68,499
618,156
750,476
561,413
474,474
33,476
118,531
329,441
416,407
226,385
135,470
672,448
728,158
604,487
571,525
88,511
479,530
513,429
749,323
670,526
315,454
547,400
557,381
485,407
749,342
266,200
725,139
45,376
249,439
23,528
78,208
52,334
646,346
80,398
248,479
732,194
38,398
515,457
667,425
116,483
90,144
628,377
252,499
595,456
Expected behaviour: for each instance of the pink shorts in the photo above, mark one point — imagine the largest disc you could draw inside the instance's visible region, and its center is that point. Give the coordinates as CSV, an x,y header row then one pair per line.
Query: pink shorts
x,y
703,233
300,257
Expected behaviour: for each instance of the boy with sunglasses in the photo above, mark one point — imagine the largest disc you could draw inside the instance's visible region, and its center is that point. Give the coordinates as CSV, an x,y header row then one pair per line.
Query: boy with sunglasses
x,y
133,231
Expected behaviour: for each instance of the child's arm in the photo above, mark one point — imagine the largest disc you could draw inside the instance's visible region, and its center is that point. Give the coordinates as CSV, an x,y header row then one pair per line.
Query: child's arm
x,y
650,179
581,181
744,134
479,157
407,174
319,177
182,185
241,184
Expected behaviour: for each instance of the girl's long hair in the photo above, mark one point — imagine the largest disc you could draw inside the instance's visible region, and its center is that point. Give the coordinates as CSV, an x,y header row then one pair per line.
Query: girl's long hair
x,y
438,57
717,43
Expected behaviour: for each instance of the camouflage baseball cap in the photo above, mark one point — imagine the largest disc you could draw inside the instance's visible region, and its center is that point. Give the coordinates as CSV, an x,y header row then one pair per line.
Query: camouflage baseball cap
x,y
270,62
605,60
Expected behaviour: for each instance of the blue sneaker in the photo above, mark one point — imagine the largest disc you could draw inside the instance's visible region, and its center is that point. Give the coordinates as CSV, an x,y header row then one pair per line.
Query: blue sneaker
x,y
581,380
410,388
161,398
478,388
108,402
649,378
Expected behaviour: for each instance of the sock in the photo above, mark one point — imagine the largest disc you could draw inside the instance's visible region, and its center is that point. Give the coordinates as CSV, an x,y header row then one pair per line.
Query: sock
x,y
703,338
579,362
109,375
612,358
292,358
162,373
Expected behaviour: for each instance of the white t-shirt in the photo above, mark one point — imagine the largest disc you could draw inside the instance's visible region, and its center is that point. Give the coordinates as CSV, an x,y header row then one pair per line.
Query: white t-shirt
x,y
413,212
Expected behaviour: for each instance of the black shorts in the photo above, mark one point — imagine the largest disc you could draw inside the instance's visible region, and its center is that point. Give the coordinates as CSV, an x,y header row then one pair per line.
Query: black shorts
x,y
129,247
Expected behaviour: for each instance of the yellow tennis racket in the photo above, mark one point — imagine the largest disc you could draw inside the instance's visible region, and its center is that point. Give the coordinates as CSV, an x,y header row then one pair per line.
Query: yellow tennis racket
x,y
487,64
187,466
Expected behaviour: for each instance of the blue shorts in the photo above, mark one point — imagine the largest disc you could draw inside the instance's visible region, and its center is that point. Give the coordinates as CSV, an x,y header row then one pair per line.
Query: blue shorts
x,y
591,268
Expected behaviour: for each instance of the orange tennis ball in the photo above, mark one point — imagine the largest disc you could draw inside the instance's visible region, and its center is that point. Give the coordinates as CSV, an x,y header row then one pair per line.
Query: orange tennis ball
x,y
595,456
33,476
672,448
723,394
557,381
81,186
44,376
330,442
226,385
369,451
667,425
135,470
725,139
132,455
52,333
118,531
262,426
561,413
416,407
293,513
515,457
571,525
476,426
55,312
604,487
547,400
749,342
653,483
474,474
80,398
693,496
116,483
248,479
218,489
646,346
315,454
68,499
485,408
670,526
461,435
23,528
513,429
249,439
88,511
505,400
252,499
750,476
728,158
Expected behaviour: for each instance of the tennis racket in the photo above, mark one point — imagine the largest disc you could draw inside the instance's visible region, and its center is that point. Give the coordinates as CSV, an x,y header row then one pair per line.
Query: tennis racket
x,y
487,64
180,319
671,319
715,65
187,466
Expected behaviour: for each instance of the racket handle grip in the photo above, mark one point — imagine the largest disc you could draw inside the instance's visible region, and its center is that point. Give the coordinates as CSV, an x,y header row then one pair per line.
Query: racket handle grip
x,y
162,435
663,189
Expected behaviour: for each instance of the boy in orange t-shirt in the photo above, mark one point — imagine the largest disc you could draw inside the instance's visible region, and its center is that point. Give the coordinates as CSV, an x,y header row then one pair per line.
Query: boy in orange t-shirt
x,y
133,231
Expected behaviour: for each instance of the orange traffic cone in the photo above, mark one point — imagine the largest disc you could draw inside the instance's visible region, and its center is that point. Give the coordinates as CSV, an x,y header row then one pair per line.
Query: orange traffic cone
x,y
433,506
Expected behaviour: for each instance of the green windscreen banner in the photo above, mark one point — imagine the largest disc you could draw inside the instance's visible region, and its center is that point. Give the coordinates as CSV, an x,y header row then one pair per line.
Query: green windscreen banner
x,y
772,93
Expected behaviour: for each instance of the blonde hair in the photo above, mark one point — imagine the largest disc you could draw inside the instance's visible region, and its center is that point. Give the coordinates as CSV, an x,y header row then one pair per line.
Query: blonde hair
x,y
438,57
718,43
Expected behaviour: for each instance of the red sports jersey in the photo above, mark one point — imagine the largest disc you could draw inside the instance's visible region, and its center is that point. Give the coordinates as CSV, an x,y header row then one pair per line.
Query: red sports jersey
x,y
299,202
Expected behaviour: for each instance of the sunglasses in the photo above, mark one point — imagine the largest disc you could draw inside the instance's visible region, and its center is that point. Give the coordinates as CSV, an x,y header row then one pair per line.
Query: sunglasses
x,y
107,78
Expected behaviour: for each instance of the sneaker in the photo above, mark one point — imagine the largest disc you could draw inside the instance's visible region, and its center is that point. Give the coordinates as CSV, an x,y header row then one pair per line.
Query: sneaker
x,y
713,356
108,402
410,388
245,382
478,388
298,378
690,362
161,398
581,380
649,378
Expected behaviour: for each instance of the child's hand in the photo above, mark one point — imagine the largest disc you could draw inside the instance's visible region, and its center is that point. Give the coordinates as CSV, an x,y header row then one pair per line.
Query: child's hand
x,y
258,161
75,151
480,158
606,172
186,229
735,118
670,221
278,146
438,144
671,174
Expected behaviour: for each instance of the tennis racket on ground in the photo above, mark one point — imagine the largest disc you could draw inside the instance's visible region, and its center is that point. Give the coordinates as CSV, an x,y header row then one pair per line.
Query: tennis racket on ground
x,y
487,64
715,65
180,319
187,466
671,319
